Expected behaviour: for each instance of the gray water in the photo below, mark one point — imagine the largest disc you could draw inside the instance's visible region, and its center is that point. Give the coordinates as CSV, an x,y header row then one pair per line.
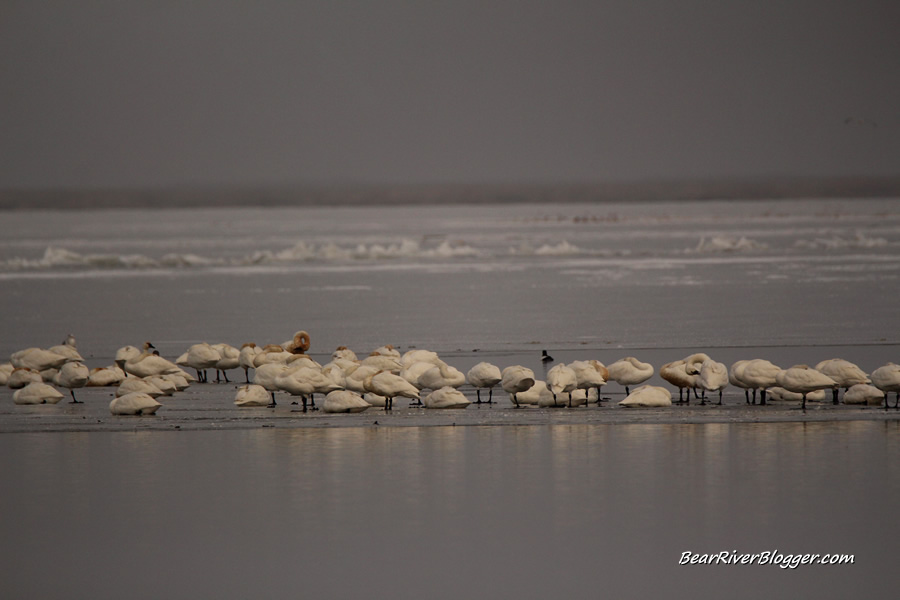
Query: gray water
x,y
527,511
446,512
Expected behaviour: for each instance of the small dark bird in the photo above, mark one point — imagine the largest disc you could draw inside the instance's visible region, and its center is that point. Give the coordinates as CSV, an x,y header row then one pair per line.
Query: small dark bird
x,y
545,357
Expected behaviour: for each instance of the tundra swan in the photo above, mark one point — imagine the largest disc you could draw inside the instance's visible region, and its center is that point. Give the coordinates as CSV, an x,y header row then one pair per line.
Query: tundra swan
x,y
344,401
713,377
630,371
648,395
389,385
887,379
802,380
515,379
72,375
844,373
134,403
446,397
561,379
590,374
484,375
251,395
37,393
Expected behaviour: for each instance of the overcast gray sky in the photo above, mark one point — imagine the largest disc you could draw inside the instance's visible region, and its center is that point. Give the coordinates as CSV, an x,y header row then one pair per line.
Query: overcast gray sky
x,y
264,92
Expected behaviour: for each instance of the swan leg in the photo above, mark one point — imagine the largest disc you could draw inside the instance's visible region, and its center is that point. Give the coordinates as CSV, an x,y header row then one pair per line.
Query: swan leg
x,y
762,397
225,376
478,395
754,396
834,396
570,400
515,401
273,401
627,392
218,379
720,397
747,396
247,374
702,398
312,402
74,400
803,404
490,395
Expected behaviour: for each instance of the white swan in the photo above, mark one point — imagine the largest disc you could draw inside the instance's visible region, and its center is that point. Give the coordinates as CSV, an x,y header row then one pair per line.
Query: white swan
x,y
251,395
590,374
419,355
106,376
22,376
648,395
68,349
760,374
134,403
802,380
246,357
484,375
383,363
887,379
5,369
446,397
389,385
537,395
344,353
844,373
442,375
267,374
229,358
200,357
682,376
147,364
137,384
271,353
713,377
37,359
779,393
515,379
305,382
72,375
561,379
37,393
344,401
863,393
630,371
736,378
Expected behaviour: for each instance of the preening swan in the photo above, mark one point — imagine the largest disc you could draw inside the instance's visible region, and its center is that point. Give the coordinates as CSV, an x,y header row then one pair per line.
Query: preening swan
x,y
484,375
298,344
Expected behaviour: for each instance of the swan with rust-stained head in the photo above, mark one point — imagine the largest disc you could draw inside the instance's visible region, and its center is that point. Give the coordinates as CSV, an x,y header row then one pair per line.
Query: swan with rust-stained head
x,y
298,344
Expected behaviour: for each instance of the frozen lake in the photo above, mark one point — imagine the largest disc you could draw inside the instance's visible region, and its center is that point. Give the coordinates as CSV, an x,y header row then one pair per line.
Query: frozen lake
x,y
277,504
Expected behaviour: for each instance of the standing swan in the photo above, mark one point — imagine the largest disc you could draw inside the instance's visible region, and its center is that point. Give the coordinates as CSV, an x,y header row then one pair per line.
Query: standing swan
x,y
844,372
630,371
72,375
484,375
802,379
713,378
562,379
515,379
887,379
384,383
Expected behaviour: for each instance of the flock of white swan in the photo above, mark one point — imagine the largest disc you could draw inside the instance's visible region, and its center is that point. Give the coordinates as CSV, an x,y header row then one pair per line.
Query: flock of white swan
x,y
350,384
